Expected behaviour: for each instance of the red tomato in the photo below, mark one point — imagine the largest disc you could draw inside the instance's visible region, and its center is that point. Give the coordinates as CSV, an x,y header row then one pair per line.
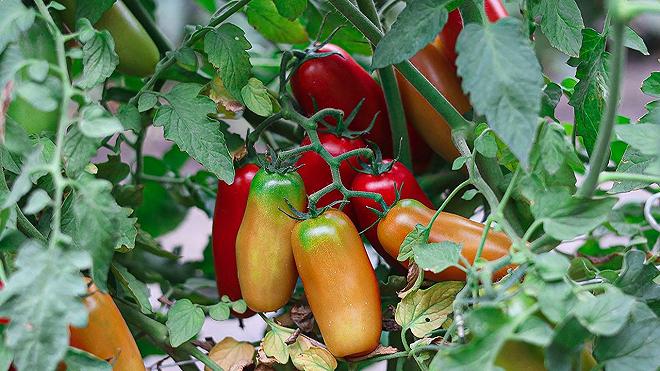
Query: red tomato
x,y
229,209
338,81
495,10
315,172
383,179
3,321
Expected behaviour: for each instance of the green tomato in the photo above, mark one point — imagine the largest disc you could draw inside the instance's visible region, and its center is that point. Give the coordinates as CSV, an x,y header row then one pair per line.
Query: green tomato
x,y
520,356
138,54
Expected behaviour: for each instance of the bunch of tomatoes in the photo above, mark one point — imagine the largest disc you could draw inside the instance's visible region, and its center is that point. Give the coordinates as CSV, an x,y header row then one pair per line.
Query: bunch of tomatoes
x,y
260,250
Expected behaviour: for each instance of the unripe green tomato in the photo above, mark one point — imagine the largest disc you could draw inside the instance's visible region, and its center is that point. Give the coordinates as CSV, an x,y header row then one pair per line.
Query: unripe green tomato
x,y
138,54
520,356
35,44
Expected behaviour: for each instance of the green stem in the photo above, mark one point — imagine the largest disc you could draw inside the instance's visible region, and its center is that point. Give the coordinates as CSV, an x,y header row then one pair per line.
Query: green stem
x,y
609,176
446,201
159,335
404,341
59,182
531,229
397,116
632,9
430,93
601,152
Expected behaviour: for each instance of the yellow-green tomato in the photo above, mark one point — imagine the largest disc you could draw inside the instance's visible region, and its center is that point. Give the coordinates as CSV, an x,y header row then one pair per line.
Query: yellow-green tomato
x,y
340,283
138,54
266,270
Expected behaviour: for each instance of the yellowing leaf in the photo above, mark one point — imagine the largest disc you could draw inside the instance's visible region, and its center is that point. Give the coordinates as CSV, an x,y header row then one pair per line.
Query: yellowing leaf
x,y
274,343
302,345
315,359
425,310
230,352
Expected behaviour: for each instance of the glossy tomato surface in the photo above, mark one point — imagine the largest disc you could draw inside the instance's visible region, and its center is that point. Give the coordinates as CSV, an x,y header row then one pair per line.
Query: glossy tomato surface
x,y
340,284
230,204
406,214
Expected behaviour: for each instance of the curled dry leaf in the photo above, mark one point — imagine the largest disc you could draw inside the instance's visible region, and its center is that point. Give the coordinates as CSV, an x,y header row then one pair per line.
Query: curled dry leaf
x,y
302,316
263,359
414,280
231,354
315,359
225,103
425,310
301,345
379,351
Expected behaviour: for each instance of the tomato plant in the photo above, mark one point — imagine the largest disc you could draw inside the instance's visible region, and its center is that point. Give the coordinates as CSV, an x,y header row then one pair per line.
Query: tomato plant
x,y
271,165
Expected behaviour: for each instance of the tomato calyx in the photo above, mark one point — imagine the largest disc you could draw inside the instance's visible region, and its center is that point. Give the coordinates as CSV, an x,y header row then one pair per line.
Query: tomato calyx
x,y
341,129
377,165
312,211
273,163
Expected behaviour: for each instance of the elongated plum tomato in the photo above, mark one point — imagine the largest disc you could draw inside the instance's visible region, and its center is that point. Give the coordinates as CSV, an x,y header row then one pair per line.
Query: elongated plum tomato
x,y
266,269
230,205
315,172
396,177
339,282
419,112
406,214
106,335
338,81
138,54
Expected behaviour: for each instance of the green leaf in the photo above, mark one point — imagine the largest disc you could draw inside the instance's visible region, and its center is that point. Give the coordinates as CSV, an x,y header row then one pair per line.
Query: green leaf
x,y
87,213
40,96
561,22
415,237
290,9
348,37
534,331
23,182
99,56
256,98
36,202
490,327
220,311
78,150
264,17
604,314
458,163
426,310
556,299
645,138
436,257
227,51
274,343
633,348
92,10
551,95
147,101
638,277
417,25
552,266
566,345
113,170
486,145
175,158
565,217
96,122
633,162
185,122
79,360
42,297
588,98
651,86
503,77
16,19
184,320
209,5
134,287
129,116
633,41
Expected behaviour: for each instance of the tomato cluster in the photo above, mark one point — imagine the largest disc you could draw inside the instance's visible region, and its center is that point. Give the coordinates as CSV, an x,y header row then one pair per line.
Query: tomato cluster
x,y
260,250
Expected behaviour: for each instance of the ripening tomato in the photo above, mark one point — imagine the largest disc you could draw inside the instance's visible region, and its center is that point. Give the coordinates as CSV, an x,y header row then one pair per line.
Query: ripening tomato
x,y
340,283
266,269
106,335
406,214
230,205
384,178
315,172
138,54
441,73
338,81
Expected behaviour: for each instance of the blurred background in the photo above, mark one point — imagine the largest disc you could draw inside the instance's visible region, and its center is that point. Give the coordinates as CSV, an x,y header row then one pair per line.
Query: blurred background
x,y
190,238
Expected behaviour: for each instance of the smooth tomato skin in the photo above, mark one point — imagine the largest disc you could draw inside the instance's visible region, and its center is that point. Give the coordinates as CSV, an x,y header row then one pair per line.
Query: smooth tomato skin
x,y
230,204
138,54
315,172
495,10
266,270
399,177
449,35
106,335
406,214
441,73
338,81
340,283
